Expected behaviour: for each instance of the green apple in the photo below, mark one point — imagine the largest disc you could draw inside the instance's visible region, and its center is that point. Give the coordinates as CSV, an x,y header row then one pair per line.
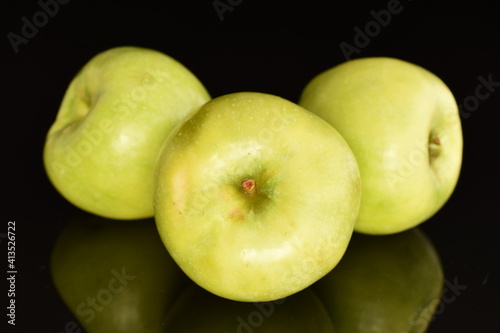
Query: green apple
x,y
402,123
100,152
256,197
115,276
389,283
197,310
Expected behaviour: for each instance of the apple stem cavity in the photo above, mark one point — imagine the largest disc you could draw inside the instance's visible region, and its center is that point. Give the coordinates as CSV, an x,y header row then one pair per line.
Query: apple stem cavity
x,y
434,148
249,187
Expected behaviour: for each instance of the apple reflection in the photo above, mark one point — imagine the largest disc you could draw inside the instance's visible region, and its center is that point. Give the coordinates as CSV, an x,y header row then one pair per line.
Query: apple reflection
x,y
387,283
115,276
197,310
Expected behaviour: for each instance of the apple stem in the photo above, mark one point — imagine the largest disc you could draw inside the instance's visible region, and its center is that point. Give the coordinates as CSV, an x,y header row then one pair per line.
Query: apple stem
x,y
249,186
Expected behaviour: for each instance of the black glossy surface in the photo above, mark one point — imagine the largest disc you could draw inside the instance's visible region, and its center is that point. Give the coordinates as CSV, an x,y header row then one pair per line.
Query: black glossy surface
x,y
272,47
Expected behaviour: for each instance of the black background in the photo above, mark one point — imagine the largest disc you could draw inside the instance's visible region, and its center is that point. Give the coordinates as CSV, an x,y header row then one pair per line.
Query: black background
x,y
274,47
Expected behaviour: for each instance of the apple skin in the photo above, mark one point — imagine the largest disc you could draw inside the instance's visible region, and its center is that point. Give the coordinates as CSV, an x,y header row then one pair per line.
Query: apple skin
x,y
389,283
117,111
403,125
269,244
115,276
197,310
